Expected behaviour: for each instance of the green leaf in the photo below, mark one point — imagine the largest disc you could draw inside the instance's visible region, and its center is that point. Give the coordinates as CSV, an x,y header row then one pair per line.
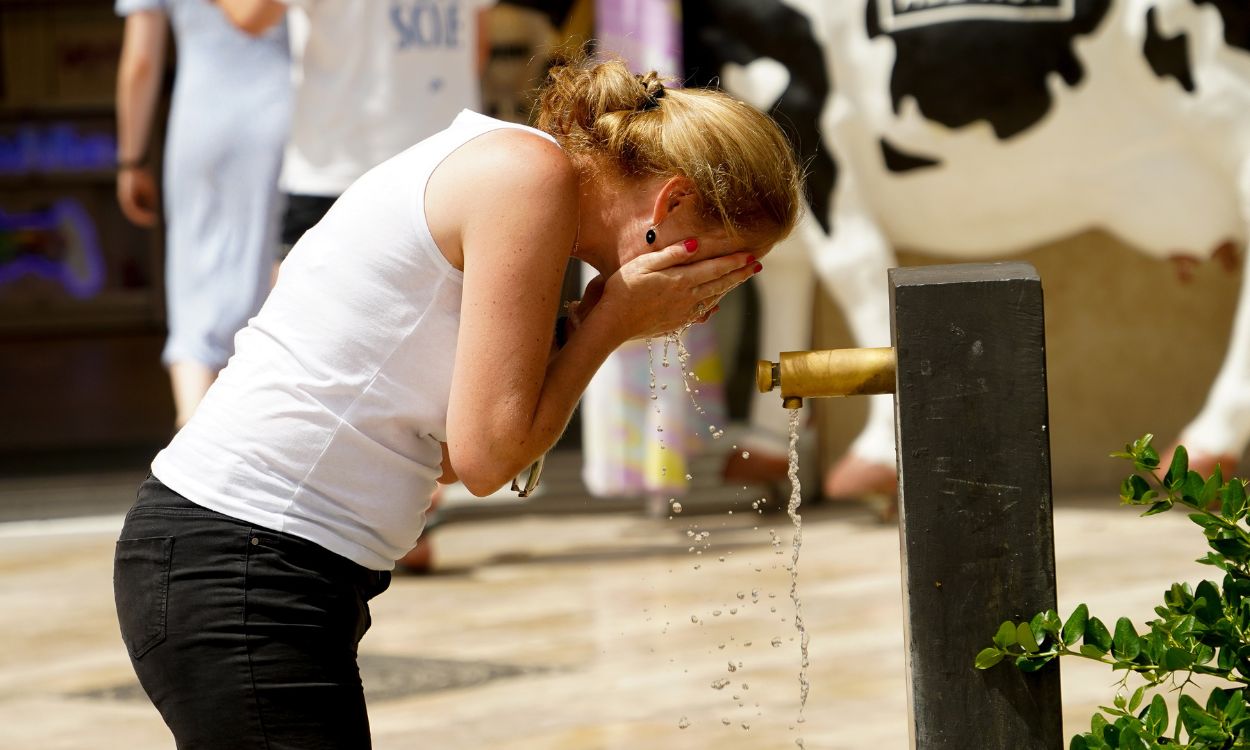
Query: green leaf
x,y
1126,645
1131,740
1178,469
1191,489
1211,734
1232,548
1157,716
1092,651
1208,605
1235,709
1134,489
1219,699
1046,623
1135,702
1211,489
1160,507
989,657
1097,635
1177,659
1006,636
1097,724
1234,502
1216,559
1190,714
1074,628
1205,520
1033,663
1024,636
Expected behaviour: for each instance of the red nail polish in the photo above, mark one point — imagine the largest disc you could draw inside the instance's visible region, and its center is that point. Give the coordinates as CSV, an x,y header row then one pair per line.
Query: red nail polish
x,y
759,267
691,245
750,259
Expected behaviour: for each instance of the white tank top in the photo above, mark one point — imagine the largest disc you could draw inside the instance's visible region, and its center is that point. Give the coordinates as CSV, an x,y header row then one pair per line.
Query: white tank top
x,y
327,420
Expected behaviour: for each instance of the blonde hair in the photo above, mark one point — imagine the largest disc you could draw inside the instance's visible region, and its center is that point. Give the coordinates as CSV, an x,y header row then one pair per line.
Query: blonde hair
x,y
742,165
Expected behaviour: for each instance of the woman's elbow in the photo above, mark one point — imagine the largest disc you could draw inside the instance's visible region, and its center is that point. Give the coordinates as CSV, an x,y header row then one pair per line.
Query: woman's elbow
x,y
484,483
136,69
484,475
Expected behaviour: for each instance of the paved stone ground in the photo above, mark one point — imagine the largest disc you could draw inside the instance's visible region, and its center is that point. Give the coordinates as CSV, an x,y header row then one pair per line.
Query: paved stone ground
x,y
569,624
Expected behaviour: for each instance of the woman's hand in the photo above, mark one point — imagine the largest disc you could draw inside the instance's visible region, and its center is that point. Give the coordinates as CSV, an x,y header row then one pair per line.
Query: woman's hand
x,y
665,290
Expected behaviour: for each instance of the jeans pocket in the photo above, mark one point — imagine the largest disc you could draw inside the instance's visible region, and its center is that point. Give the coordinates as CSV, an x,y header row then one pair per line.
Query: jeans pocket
x,y
141,591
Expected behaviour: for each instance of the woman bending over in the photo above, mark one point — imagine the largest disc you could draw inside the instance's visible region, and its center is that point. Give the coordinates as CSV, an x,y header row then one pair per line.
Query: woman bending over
x,y
409,339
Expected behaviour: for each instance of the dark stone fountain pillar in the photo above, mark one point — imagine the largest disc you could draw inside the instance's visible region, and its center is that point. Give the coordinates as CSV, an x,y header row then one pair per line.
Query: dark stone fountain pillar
x,y
975,500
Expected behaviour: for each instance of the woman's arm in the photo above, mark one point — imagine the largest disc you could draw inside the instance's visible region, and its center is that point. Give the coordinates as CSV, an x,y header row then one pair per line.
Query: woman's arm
x,y
139,74
253,16
515,197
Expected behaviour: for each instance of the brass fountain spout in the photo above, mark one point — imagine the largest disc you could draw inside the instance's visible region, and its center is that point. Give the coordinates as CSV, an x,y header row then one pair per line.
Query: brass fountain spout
x,y
829,372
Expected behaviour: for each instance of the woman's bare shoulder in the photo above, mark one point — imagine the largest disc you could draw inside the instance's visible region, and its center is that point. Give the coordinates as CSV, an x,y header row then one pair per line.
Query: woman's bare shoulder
x,y
512,156
499,186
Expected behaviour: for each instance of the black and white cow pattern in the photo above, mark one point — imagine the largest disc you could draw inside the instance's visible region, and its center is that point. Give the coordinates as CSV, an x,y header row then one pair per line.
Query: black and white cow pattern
x,y
972,129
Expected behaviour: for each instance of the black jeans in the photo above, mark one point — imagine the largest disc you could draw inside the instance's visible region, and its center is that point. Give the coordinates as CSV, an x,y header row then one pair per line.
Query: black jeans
x,y
241,636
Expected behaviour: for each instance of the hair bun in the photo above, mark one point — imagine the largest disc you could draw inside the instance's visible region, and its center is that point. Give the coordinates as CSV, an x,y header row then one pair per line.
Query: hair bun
x,y
653,90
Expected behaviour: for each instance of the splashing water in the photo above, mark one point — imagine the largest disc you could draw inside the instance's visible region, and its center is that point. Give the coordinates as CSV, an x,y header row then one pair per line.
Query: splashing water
x,y
683,360
796,497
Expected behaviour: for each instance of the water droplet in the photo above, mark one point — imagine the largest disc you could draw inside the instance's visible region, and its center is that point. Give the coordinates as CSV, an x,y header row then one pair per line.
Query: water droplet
x,y
683,722
746,454
720,683
694,619
726,722
676,507
776,642
746,726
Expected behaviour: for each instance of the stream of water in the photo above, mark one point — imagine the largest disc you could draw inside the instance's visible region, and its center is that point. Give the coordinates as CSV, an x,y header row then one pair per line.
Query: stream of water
x,y
673,342
796,498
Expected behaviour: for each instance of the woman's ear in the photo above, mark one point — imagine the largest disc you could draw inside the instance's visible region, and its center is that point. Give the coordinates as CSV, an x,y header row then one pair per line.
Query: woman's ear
x,y
675,193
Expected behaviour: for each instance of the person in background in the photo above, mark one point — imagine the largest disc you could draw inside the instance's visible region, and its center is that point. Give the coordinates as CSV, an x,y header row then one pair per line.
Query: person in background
x,y
227,125
412,336
372,78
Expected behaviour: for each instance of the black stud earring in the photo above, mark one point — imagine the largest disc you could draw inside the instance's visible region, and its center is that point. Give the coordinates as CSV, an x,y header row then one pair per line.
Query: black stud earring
x,y
651,236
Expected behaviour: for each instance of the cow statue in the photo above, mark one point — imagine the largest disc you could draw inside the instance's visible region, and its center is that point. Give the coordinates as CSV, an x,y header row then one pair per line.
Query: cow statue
x,y
972,129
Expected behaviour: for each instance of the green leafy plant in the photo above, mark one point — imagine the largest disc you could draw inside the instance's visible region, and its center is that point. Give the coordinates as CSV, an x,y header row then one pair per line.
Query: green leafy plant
x,y
1200,630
